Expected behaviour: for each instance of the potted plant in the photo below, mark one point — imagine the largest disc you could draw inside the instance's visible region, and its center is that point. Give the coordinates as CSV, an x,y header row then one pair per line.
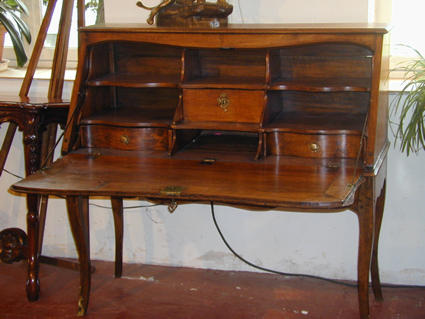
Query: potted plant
x,y
410,106
96,5
10,11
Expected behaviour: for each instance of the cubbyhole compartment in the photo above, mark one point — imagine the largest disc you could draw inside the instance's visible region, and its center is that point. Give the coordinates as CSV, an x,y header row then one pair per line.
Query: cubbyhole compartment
x,y
147,106
133,119
325,67
211,145
230,68
319,125
133,64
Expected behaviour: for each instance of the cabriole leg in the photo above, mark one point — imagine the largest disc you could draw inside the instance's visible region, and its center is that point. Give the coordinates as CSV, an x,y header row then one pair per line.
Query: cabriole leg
x,y
117,210
33,284
364,209
78,213
379,213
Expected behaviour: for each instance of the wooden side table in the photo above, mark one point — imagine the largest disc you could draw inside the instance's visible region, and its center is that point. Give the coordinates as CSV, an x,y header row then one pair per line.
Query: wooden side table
x,y
38,121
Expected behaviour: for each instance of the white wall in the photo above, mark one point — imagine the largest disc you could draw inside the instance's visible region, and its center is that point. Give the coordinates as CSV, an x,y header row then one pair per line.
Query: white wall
x,y
266,11
318,244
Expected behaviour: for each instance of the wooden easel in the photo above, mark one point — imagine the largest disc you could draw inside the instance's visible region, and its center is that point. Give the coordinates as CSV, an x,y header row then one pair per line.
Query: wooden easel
x,y
38,120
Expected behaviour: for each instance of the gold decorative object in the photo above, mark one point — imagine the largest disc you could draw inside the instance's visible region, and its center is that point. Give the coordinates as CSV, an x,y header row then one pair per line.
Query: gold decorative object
x,y
189,13
223,102
172,190
314,147
172,206
124,139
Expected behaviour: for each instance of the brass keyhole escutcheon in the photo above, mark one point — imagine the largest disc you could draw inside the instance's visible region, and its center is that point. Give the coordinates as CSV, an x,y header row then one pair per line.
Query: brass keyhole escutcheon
x,y
314,147
124,139
223,102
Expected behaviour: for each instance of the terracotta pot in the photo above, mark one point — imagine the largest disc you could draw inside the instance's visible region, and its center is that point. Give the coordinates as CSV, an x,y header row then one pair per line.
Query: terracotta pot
x,y
2,33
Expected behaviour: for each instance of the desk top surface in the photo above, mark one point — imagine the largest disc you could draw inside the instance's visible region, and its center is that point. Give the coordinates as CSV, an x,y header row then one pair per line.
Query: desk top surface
x,y
247,28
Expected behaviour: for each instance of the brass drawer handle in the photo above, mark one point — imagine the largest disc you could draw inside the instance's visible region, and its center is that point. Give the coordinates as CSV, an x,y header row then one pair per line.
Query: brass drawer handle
x,y
314,147
124,139
223,102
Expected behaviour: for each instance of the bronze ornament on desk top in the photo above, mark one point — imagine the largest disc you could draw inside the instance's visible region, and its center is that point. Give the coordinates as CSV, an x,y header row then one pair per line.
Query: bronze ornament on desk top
x,y
189,13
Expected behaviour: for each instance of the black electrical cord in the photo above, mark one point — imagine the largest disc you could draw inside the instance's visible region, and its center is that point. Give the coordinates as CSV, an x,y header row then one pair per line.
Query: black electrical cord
x,y
267,269
338,282
125,207
12,174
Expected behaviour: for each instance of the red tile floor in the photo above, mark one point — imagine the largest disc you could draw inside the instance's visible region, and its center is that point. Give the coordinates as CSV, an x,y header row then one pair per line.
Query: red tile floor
x,y
168,292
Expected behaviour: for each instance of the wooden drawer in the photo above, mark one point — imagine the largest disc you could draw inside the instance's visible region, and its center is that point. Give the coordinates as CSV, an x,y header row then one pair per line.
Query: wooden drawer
x,y
124,138
313,145
217,105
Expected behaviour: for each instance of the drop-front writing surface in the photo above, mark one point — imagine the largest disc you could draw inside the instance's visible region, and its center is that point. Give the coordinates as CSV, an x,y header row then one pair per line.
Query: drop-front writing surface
x,y
272,116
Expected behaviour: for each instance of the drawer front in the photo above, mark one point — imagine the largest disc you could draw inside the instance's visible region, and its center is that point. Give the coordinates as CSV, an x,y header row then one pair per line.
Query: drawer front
x,y
123,138
216,105
313,145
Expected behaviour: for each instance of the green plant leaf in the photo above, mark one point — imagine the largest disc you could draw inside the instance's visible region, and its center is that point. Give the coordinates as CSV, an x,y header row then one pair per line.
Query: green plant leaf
x,y
21,57
410,106
10,11
22,6
16,5
22,26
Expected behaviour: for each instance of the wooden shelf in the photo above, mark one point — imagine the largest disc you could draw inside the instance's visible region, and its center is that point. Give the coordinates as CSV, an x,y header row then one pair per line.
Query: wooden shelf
x,y
136,81
228,83
131,117
317,86
316,123
220,126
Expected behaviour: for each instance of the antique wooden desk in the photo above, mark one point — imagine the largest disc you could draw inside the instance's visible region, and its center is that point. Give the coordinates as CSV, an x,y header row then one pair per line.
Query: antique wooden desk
x,y
289,117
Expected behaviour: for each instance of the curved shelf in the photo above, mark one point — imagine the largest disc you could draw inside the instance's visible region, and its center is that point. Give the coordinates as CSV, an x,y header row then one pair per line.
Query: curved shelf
x,y
220,126
127,117
254,83
316,87
311,123
135,81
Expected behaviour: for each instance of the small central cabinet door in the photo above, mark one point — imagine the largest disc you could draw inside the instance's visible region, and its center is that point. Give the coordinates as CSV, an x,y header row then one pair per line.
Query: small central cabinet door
x,y
223,105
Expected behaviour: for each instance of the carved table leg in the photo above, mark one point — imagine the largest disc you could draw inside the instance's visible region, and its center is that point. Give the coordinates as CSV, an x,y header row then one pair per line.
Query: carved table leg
x,y
379,212
364,208
32,145
78,213
117,210
31,141
33,284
